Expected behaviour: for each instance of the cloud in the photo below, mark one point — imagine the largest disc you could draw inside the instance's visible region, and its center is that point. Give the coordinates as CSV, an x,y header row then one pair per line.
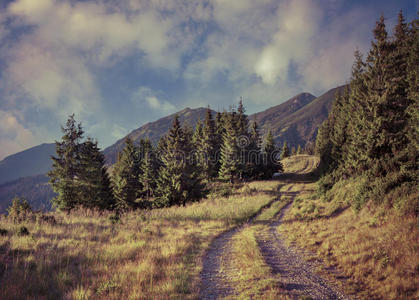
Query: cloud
x,y
13,135
148,96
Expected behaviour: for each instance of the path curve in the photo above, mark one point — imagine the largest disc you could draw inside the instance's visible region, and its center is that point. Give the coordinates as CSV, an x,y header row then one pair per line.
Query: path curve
x,y
297,276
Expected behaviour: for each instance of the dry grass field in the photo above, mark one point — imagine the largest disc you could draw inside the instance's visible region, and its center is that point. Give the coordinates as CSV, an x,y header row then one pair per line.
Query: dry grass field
x,y
148,255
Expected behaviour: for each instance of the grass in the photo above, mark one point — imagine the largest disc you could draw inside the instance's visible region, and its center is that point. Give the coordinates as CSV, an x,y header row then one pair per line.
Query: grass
x,y
375,249
300,163
148,255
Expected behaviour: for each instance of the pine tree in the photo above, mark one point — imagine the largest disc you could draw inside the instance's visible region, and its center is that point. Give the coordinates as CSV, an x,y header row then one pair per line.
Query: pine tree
x,y
207,147
271,161
148,169
230,159
299,150
64,176
126,185
254,169
95,188
178,179
285,151
243,139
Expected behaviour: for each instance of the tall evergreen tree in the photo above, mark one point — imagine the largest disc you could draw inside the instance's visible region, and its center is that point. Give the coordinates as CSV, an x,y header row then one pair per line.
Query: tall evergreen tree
x,y
243,138
126,185
230,159
178,179
148,170
95,186
254,168
285,151
271,161
64,176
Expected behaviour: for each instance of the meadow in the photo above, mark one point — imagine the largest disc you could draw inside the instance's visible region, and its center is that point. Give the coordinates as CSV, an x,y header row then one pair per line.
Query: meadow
x,y
151,254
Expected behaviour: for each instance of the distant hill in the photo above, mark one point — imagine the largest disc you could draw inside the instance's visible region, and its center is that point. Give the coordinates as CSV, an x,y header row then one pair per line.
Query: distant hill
x,y
297,120
154,130
33,161
35,189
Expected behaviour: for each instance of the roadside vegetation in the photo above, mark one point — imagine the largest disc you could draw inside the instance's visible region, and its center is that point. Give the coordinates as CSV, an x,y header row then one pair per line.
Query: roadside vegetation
x,y
150,254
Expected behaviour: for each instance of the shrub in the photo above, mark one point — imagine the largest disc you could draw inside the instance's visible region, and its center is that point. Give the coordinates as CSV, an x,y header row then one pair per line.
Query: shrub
x,y
3,232
46,219
20,210
22,231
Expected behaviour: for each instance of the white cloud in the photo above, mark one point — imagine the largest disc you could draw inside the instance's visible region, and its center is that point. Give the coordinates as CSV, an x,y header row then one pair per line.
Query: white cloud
x,y
13,135
149,97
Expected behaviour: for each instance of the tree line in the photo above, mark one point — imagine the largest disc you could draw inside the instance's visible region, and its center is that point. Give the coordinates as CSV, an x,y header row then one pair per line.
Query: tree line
x,y
372,130
227,147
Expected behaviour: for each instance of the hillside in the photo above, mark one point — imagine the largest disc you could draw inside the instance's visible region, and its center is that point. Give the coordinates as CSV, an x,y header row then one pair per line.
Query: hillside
x,y
154,130
33,161
35,189
300,126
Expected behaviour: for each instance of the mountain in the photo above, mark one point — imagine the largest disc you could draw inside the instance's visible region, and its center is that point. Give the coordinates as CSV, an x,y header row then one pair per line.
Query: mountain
x,y
35,189
297,120
154,130
33,161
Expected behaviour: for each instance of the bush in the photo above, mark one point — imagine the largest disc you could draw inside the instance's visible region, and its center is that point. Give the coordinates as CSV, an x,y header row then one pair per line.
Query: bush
x,y
22,231
3,232
115,218
20,210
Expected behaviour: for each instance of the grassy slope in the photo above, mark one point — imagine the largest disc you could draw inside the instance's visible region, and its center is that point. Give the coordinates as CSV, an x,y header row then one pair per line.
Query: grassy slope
x,y
152,254
377,250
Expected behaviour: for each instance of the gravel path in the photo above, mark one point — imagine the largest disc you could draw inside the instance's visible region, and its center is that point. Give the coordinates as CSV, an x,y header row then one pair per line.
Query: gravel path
x,y
213,277
297,276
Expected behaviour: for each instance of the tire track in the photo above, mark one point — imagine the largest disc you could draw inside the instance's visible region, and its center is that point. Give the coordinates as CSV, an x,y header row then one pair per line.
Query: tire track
x,y
297,276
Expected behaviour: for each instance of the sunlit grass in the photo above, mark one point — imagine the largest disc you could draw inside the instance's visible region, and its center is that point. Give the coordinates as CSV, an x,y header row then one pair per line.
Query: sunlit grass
x,y
149,255
377,250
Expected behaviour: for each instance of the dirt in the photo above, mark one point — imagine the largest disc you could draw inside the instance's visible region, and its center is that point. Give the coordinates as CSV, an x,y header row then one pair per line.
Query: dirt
x,y
298,278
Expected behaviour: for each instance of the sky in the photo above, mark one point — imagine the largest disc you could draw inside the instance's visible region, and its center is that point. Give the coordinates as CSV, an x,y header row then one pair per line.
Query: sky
x,y
118,64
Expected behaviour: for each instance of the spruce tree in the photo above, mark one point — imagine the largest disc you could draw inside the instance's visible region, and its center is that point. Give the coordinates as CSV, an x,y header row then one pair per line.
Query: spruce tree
x,y
178,179
64,176
243,138
126,185
95,187
230,159
285,151
299,150
271,162
148,170
254,168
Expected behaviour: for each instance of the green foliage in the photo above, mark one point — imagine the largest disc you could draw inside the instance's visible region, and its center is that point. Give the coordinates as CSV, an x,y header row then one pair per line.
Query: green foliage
x,y
66,166
148,169
179,180
285,151
372,129
19,210
78,174
271,163
125,179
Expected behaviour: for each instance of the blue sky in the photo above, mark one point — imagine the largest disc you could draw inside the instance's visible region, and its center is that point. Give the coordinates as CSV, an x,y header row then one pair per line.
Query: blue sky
x,y
118,64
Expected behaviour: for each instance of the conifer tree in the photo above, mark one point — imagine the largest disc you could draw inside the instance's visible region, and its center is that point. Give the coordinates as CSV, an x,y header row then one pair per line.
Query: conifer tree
x,y
271,162
230,159
285,151
178,179
126,185
64,176
208,147
243,138
299,150
95,186
148,170
254,168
